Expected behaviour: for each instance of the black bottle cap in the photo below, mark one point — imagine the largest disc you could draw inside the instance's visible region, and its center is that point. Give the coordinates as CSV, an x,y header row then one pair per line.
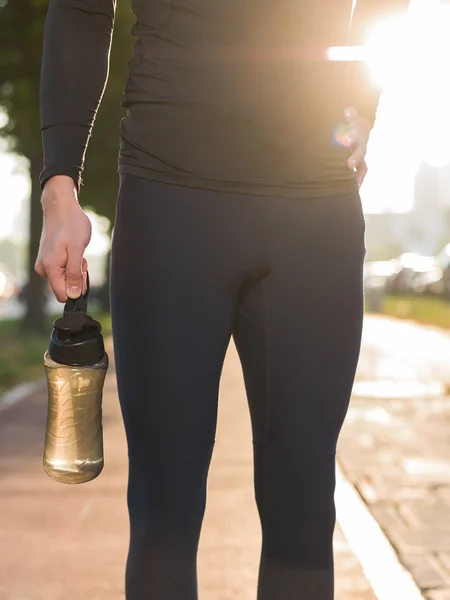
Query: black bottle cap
x,y
76,339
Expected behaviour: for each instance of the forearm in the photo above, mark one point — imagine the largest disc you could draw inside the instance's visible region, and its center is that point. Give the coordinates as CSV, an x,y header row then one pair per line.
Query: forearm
x,y
365,94
77,42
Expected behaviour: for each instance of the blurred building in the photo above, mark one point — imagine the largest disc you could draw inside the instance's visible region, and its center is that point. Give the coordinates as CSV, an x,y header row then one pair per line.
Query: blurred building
x,y
444,185
427,224
425,229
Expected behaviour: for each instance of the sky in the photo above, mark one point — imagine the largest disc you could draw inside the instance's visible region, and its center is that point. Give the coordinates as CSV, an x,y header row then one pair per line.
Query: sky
x,y
14,205
409,58
14,190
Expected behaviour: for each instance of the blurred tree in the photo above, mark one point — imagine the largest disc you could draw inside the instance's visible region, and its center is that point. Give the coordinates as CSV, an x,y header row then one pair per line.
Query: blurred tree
x,y
13,256
21,31
21,26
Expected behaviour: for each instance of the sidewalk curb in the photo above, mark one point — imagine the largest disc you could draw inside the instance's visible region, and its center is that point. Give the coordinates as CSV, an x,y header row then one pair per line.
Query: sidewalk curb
x,y
389,579
21,392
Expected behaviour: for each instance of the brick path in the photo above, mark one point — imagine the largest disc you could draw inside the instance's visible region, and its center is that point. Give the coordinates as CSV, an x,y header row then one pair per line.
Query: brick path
x,y
395,445
67,543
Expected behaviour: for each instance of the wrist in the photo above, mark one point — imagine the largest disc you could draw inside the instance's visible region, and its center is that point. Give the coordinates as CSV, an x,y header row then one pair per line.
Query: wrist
x,y
59,190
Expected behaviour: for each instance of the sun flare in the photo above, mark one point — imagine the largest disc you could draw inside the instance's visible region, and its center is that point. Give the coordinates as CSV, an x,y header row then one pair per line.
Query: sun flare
x,y
410,56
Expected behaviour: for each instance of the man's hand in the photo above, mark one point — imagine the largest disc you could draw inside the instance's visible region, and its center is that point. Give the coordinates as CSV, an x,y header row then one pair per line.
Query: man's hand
x,y
65,234
357,138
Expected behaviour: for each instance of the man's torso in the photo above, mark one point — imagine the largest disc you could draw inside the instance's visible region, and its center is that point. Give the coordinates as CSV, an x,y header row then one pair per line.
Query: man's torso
x,y
238,95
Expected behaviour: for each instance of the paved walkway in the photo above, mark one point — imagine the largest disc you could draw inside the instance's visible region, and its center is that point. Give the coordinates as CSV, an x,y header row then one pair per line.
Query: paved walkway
x,y
61,542
395,445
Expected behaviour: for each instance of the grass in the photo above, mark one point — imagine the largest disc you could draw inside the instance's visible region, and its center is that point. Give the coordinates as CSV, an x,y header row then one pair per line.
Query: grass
x,y
21,353
425,310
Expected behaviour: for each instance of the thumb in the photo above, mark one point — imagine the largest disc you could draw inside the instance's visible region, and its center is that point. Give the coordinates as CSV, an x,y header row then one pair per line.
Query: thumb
x,y
74,273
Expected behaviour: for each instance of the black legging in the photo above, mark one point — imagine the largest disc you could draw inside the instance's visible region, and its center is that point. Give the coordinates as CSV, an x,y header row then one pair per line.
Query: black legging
x,y
190,268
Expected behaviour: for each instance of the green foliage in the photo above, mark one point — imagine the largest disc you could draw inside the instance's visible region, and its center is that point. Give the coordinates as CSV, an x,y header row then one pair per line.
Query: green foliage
x,y
21,39
21,27
422,309
21,33
22,353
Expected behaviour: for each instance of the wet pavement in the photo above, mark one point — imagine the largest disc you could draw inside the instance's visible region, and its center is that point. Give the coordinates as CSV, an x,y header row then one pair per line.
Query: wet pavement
x,y
395,444
60,542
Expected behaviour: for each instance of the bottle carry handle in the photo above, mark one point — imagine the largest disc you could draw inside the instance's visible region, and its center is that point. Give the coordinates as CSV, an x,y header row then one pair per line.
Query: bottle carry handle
x,y
76,338
78,306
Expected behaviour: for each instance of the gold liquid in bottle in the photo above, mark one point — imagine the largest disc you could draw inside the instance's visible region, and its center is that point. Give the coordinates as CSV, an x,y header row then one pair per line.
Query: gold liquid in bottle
x,y
75,367
73,450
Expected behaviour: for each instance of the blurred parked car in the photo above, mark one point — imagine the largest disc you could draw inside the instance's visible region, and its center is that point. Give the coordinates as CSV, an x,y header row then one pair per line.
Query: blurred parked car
x,y
443,260
376,277
415,274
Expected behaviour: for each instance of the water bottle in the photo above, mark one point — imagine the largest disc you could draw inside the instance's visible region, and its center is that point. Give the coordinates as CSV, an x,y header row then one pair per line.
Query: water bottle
x,y
75,366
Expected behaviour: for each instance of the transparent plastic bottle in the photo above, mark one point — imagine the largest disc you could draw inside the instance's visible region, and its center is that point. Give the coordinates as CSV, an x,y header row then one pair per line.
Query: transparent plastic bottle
x,y
75,366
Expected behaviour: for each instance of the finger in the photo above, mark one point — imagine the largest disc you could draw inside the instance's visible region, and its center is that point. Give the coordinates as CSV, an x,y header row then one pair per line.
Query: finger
x,y
361,173
84,270
74,274
351,114
39,268
357,156
56,281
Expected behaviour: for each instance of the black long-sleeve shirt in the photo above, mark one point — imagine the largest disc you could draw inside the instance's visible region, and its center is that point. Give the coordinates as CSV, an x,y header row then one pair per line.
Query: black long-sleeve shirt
x,y
232,95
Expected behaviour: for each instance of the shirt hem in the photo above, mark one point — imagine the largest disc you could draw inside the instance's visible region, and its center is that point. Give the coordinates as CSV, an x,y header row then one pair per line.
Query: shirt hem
x,y
300,192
